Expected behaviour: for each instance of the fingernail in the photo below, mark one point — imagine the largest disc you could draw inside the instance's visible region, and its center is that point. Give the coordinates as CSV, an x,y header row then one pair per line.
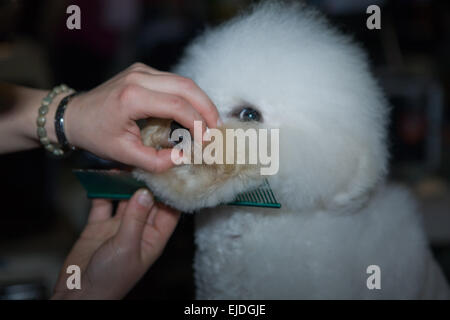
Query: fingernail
x,y
144,198
219,122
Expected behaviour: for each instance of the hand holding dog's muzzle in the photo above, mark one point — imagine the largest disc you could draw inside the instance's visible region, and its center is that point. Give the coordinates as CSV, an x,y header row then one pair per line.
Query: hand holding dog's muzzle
x,y
103,120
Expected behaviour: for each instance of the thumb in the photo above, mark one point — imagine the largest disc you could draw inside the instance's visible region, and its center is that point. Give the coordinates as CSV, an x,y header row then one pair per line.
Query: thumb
x,y
101,210
135,218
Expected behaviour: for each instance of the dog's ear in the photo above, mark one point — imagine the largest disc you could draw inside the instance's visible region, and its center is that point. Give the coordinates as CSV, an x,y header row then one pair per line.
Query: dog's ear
x,y
323,171
370,170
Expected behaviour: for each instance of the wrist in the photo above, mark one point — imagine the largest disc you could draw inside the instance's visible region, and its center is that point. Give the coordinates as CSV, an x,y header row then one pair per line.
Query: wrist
x,y
50,132
30,113
71,119
50,119
26,117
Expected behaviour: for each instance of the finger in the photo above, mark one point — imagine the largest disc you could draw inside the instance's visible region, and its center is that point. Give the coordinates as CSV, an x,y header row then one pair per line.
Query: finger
x,y
134,68
166,219
162,221
138,67
187,89
145,103
152,215
142,67
156,235
121,209
101,210
149,158
135,218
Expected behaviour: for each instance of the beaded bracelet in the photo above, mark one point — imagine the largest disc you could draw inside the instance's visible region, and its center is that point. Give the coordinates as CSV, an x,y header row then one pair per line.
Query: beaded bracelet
x,y
55,149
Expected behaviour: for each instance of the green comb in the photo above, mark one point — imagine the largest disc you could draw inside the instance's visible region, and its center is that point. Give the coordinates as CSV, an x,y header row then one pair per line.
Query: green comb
x,y
120,185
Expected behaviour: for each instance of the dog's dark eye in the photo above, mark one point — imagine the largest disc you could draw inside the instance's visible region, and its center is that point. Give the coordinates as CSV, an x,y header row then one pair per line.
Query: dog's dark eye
x,y
248,114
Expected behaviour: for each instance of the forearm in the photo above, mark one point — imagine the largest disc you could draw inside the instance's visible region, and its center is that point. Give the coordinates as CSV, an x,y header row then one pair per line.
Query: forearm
x,y
18,113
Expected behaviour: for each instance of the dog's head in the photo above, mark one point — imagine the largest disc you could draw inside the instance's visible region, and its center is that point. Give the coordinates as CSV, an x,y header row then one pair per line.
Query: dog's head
x,y
285,67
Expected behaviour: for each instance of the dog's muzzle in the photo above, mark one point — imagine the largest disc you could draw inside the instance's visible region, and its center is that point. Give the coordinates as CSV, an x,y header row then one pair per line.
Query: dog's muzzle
x,y
174,126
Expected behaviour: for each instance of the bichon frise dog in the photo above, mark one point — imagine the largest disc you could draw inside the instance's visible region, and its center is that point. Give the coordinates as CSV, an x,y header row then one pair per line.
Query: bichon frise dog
x,y
342,231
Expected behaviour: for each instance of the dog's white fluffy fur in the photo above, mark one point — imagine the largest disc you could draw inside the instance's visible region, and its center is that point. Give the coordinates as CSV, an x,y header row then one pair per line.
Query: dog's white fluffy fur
x,y
338,215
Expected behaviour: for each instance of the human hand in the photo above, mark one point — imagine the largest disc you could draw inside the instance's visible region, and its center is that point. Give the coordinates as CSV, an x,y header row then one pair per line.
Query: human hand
x,y
113,253
102,120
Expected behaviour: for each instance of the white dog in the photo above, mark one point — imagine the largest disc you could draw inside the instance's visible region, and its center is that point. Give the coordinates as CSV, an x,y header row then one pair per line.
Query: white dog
x,y
288,68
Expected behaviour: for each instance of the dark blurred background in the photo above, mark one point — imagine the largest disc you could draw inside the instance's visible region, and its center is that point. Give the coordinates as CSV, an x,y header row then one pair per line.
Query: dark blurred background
x,y
43,206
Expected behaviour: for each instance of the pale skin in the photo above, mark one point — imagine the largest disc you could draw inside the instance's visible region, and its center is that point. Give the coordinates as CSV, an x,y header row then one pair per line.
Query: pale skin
x,y
102,120
113,251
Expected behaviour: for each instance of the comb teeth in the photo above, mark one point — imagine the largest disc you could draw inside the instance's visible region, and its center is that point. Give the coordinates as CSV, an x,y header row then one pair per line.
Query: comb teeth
x,y
119,185
260,197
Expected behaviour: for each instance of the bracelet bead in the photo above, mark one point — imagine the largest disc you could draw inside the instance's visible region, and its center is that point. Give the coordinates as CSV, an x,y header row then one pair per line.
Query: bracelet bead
x,y
41,132
41,121
55,149
50,147
43,110
46,101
